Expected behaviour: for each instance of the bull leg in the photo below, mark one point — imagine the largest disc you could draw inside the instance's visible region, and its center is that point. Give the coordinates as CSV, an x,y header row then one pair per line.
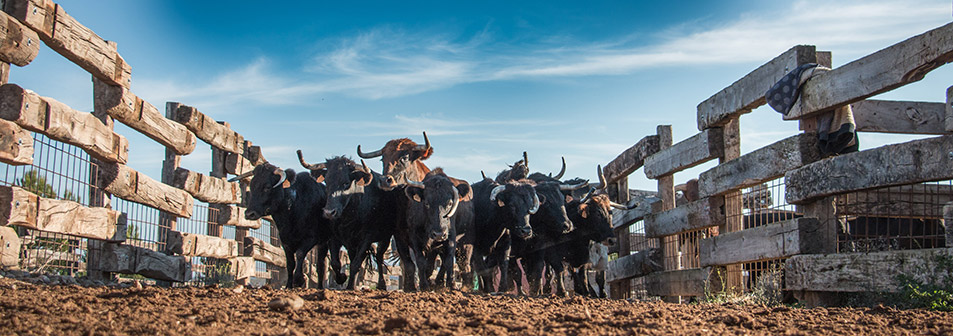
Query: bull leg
x,y
580,282
289,266
407,264
548,282
322,264
423,277
535,274
334,255
446,266
464,254
601,281
482,271
381,266
558,271
299,255
357,261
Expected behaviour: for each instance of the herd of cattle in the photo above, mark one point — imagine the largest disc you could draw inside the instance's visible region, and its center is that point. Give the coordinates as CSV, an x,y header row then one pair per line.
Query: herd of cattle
x,y
493,226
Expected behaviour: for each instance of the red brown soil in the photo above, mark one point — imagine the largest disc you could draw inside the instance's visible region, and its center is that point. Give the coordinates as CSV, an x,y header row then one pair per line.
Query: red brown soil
x,y
73,310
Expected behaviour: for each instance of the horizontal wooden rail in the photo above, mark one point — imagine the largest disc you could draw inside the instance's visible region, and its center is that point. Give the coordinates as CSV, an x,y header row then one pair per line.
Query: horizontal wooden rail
x,y
18,44
698,149
128,184
206,188
638,264
771,241
69,38
759,166
917,200
262,251
865,272
242,267
197,245
898,164
892,67
686,282
218,135
121,258
62,123
237,164
23,208
747,93
9,248
16,144
631,159
123,105
621,218
707,212
235,216
903,117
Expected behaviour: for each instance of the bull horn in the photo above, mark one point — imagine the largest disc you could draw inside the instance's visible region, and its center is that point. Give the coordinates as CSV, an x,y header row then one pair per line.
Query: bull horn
x,y
417,184
535,207
585,197
242,176
484,174
281,173
496,191
370,155
316,166
561,170
364,166
426,144
525,159
602,179
573,187
623,207
456,202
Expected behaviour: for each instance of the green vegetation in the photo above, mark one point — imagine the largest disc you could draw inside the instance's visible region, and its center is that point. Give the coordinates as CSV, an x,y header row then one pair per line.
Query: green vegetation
x,y
934,294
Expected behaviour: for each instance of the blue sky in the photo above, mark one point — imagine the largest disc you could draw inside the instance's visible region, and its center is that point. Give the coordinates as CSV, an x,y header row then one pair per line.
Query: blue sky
x,y
486,80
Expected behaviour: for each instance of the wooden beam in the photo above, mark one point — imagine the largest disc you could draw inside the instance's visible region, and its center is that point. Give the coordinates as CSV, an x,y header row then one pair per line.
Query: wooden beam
x,y
242,267
635,265
759,166
688,153
16,144
18,44
747,93
949,109
130,185
623,218
948,223
9,248
771,241
918,201
23,208
128,259
687,282
865,272
903,117
218,135
890,68
197,245
631,159
262,251
906,163
254,155
235,216
206,188
236,164
122,104
62,123
706,212
69,38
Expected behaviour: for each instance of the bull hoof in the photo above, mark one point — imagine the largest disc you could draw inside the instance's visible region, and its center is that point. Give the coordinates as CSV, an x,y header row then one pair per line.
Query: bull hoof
x,y
340,278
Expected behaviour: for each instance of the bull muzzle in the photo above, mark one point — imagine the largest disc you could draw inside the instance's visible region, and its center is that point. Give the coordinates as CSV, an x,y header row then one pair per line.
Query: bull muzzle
x,y
332,213
252,214
439,235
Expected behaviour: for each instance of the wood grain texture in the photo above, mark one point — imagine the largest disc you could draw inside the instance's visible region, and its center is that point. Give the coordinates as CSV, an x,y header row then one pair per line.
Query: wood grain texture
x,y
903,117
624,218
640,263
128,184
121,258
123,105
948,223
759,166
16,144
242,267
687,282
23,208
695,150
262,251
892,67
631,159
218,135
235,216
206,188
949,109
706,212
864,272
18,44
771,241
237,164
747,93
62,123
9,248
62,33
906,163
198,245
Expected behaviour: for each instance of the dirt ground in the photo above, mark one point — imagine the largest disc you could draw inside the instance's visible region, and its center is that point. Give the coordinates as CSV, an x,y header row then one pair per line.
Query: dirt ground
x,y
30,309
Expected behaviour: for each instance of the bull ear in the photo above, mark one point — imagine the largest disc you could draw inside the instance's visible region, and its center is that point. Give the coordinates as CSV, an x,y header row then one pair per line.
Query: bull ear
x,y
361,177
584,210
499,202
290,173
414,193
318,175
568,198
463,190
542,198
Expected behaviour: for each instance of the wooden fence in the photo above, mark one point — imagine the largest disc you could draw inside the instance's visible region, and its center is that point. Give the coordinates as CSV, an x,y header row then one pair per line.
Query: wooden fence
x,y
74,200
845,223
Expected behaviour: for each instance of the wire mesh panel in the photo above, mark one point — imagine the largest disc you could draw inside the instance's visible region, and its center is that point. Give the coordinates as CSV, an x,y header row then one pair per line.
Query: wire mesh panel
x,y
894,218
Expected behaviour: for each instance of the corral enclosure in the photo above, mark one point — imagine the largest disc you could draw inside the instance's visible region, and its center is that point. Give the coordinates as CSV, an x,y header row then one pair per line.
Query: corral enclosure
x,y
845,223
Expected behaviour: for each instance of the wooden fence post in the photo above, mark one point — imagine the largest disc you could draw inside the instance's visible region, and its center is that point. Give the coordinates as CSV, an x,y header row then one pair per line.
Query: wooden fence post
x,y
734,219
666,192
621,289
97,198
167,221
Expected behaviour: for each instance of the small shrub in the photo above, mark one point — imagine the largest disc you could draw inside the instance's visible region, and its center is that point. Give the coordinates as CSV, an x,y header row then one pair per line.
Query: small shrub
x,y
934,294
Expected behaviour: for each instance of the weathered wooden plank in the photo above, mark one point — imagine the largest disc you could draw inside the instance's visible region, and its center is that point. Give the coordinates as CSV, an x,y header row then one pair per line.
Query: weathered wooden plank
x,y
197,245
128,259
706,212
23,208
260,250
747,93
904,117
865,272
771,241
16,144
9,248
18,44
206,188
62,123
631,159
687,282
948,223
218,135
130,185
949,109
759,166
622,218
122,104
69,38
254,155
688,153
906,163
235,216
918,201
242,267
635,265
892,67
236,164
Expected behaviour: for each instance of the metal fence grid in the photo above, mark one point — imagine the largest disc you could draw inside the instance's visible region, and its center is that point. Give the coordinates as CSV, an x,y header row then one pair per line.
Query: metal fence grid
x,y
894,218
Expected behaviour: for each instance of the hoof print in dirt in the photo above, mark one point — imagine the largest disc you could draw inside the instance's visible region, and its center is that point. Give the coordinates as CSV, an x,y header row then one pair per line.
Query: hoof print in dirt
x,y
286,303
